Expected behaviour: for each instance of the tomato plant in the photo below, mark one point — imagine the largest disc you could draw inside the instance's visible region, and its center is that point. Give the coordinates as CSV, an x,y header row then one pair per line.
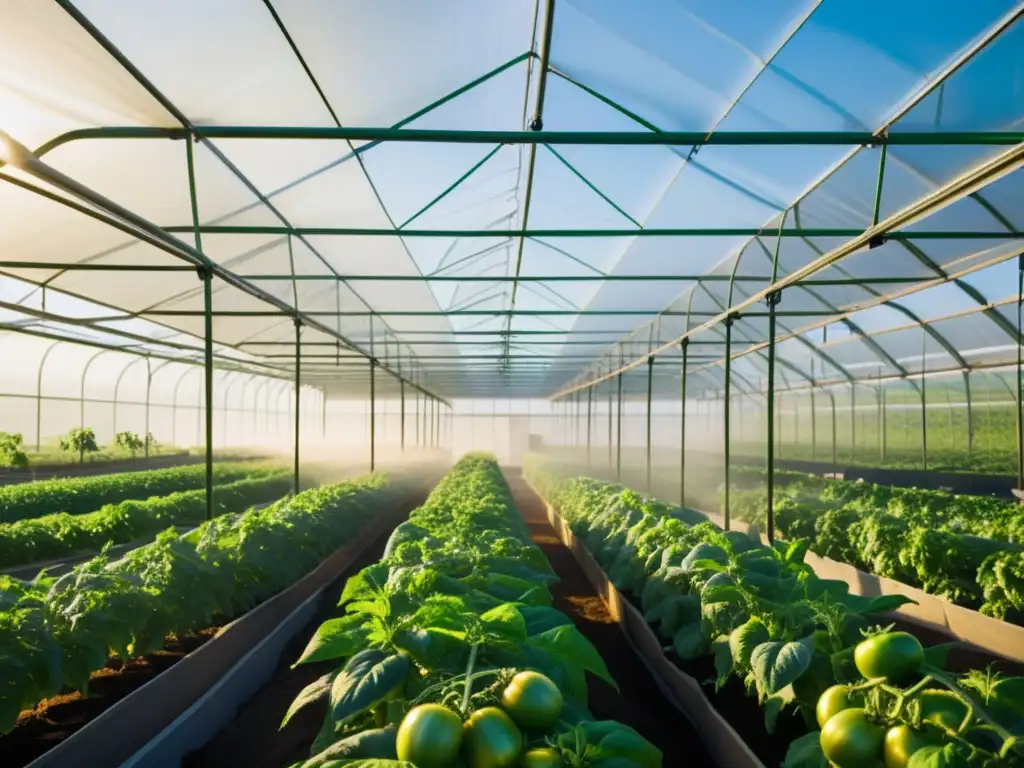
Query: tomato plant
x,y
850,739
894,656
430,736
532,700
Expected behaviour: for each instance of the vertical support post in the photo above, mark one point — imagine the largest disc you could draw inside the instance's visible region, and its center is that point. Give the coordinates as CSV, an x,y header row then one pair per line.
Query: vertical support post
x,y
726,432
970,421
684,348
884,416
835,449
609,427
323,415
618,433
650,383
373,414
1020,375
853,423
401,412
773,300
416,418
298,402
924,408
207,277
590,420
149,389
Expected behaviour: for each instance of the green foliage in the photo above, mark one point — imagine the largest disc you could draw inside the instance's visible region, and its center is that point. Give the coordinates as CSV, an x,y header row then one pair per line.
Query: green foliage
x,y
130,442
74,496
80,440
55,632
52,536
11,453
461,593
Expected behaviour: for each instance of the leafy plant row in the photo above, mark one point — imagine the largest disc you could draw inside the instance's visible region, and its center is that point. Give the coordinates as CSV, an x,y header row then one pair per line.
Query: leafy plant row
x,y
795,641
451,655
54,632
87,494
966,549
59,535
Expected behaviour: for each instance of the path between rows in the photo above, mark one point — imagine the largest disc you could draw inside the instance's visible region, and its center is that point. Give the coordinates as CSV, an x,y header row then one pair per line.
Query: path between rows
x,y
639,702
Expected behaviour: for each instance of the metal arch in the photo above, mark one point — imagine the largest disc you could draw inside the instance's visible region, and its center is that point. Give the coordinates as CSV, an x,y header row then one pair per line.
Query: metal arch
x,y
174,402
117,387
81,398
39,393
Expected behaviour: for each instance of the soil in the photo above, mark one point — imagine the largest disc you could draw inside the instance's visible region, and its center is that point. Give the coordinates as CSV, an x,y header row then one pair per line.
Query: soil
x,y
639,702
57,718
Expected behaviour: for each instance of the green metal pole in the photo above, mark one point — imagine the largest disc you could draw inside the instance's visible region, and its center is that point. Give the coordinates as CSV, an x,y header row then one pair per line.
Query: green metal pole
x,y
609,427
401,417
650,384
924,408
373,414
618,434
1020,376
853,423
885,426
725,415
773,300
590,421
298,402
835,449
814,427
970,420
207,278
684,348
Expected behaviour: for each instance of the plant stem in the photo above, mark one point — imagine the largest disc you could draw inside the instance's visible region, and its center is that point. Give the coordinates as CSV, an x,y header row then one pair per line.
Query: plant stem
x,y
468,690
972,705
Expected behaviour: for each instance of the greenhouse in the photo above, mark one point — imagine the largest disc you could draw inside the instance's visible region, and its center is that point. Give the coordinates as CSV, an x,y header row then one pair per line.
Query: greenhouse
x,y
511,384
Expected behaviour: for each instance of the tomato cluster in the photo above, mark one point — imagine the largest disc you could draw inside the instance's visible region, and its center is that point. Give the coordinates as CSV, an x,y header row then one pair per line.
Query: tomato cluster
x,y
876,723
433,736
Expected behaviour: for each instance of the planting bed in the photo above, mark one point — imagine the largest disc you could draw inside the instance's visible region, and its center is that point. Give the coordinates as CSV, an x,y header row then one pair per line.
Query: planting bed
x,y
719,600
320,521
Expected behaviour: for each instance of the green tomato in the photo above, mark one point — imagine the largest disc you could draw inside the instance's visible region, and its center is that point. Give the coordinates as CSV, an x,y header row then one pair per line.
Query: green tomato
x,y
943,708
850,740
430,736
533,701
491,740
833,701
896,656
542,757
901,742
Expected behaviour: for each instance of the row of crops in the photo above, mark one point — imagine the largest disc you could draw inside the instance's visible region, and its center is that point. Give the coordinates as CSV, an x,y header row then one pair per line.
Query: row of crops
x,y
834,683
56,631
451,656
74,496
966,549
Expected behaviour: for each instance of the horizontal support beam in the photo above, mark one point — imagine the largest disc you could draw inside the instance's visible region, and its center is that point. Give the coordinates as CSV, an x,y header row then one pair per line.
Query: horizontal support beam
x,y
454,312
502,334
215,229
701,278
615,138
91,267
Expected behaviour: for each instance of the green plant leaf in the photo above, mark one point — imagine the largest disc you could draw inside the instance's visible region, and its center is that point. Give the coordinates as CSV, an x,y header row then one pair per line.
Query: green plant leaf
x,y
505,620
723,660
569,645
369,677
778,664
691,641
335,639
315,691
373,743
745,638
805,752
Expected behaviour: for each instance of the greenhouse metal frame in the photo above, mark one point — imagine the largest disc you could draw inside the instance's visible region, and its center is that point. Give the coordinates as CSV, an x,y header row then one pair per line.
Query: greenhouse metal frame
x,y
879,225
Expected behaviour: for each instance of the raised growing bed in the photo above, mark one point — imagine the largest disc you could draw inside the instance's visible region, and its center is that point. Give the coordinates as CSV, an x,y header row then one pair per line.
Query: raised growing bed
x,y
165,684
748,743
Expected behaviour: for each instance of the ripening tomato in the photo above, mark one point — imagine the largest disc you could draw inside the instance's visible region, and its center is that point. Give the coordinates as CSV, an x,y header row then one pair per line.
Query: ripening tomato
x,y
533,701
834,700
850,740
542,757
491,739
901,742
430,736
896,656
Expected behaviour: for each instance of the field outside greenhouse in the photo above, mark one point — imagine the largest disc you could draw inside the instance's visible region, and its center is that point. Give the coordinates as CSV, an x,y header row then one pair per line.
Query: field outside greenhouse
x,y
536,384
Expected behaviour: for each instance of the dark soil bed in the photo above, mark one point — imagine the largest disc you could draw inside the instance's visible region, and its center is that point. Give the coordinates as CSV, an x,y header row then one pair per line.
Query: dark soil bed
x,y
253,738
55,719
639,702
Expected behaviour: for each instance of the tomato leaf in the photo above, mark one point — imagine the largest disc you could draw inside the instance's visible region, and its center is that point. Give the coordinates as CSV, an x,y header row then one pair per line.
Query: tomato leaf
x,y
948,756
805,752
505,620
335,639
690,642
375,743
744,639
368,678
777,664
937,655
723,660
569,645
315,691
